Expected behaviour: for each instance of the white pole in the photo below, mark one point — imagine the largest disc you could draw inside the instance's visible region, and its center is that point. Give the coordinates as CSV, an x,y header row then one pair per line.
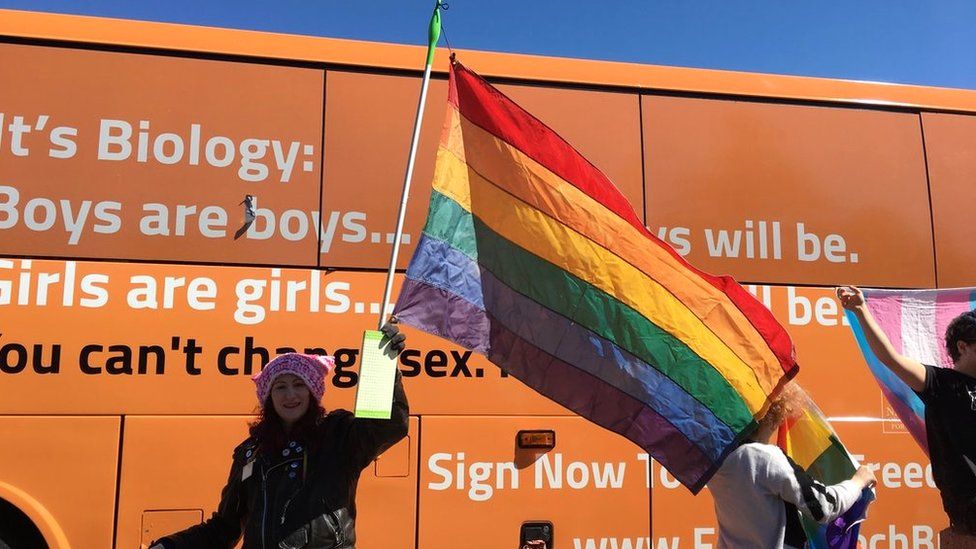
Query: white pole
x,y
434,33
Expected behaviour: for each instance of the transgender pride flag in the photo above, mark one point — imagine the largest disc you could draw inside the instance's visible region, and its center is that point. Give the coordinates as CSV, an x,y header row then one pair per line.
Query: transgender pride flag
x,y
812,444
915,322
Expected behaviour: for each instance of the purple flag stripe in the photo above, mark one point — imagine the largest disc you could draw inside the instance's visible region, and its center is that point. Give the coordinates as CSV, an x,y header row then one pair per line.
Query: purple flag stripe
x,y
578,390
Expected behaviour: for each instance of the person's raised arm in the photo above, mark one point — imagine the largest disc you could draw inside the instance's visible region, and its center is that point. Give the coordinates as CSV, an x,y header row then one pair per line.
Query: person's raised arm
x,y
908,370
372,437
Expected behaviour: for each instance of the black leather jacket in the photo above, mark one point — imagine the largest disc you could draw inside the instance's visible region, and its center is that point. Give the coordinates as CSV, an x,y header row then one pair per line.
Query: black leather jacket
x,y
300,499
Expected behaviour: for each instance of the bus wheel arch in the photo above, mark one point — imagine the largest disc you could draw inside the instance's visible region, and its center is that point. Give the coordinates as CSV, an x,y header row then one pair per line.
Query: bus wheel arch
x,y
28,517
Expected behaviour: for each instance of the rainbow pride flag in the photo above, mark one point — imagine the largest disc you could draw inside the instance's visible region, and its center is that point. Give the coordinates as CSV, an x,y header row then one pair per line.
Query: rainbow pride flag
x,y
812,444
533,258
915,322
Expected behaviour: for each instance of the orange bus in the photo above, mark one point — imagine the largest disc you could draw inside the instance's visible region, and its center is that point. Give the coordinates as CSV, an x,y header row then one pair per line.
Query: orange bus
x,y
135,304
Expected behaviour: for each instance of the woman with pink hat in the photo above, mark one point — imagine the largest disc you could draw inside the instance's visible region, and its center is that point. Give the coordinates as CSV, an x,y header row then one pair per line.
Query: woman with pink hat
x,y
293,481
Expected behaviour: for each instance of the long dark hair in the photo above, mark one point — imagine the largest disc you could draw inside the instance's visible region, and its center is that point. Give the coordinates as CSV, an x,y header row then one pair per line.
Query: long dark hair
x,y
269,430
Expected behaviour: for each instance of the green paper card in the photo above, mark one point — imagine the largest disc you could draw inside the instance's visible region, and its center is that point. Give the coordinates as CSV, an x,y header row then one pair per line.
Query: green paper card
x,y
377,374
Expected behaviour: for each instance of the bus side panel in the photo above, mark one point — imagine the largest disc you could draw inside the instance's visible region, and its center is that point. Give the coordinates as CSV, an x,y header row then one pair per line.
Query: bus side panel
x,y
775,193
825,350
173,463
477,487
195,355
368,126
386,502
68,465
149,156
182,462
950,148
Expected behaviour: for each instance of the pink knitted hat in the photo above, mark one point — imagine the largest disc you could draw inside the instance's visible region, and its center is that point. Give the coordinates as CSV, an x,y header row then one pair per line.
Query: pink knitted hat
x,y
310,368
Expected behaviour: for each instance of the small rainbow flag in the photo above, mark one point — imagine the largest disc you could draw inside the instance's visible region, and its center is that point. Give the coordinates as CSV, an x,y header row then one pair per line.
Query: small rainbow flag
x,y
812,444
533,258
915,322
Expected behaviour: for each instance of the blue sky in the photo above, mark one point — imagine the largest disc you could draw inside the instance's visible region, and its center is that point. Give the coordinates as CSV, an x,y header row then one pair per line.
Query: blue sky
x,y
921,42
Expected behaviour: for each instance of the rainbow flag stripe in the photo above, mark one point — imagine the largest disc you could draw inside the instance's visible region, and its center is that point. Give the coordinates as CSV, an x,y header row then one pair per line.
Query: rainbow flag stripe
x,y
533,258
915,322
812,444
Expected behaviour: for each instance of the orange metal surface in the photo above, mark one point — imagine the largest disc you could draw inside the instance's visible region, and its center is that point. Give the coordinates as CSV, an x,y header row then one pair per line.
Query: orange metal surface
x,y
168,36
156,524
369,122
950,146
476,488
226,342
146,135
67,467
368,125
387,505
825,349
174,463
809,194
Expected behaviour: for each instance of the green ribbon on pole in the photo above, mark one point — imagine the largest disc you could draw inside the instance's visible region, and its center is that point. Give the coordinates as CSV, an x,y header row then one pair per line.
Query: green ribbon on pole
x,y
434,32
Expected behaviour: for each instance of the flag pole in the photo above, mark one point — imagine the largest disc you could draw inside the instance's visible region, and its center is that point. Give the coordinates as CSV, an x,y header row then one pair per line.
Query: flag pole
x,y
434,33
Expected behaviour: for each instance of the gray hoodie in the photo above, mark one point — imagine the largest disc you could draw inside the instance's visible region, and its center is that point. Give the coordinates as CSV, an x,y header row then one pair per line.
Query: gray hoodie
x,y
749,490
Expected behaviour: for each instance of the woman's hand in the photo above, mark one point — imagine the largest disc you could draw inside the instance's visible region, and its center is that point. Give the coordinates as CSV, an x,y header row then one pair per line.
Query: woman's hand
x,y
396,337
